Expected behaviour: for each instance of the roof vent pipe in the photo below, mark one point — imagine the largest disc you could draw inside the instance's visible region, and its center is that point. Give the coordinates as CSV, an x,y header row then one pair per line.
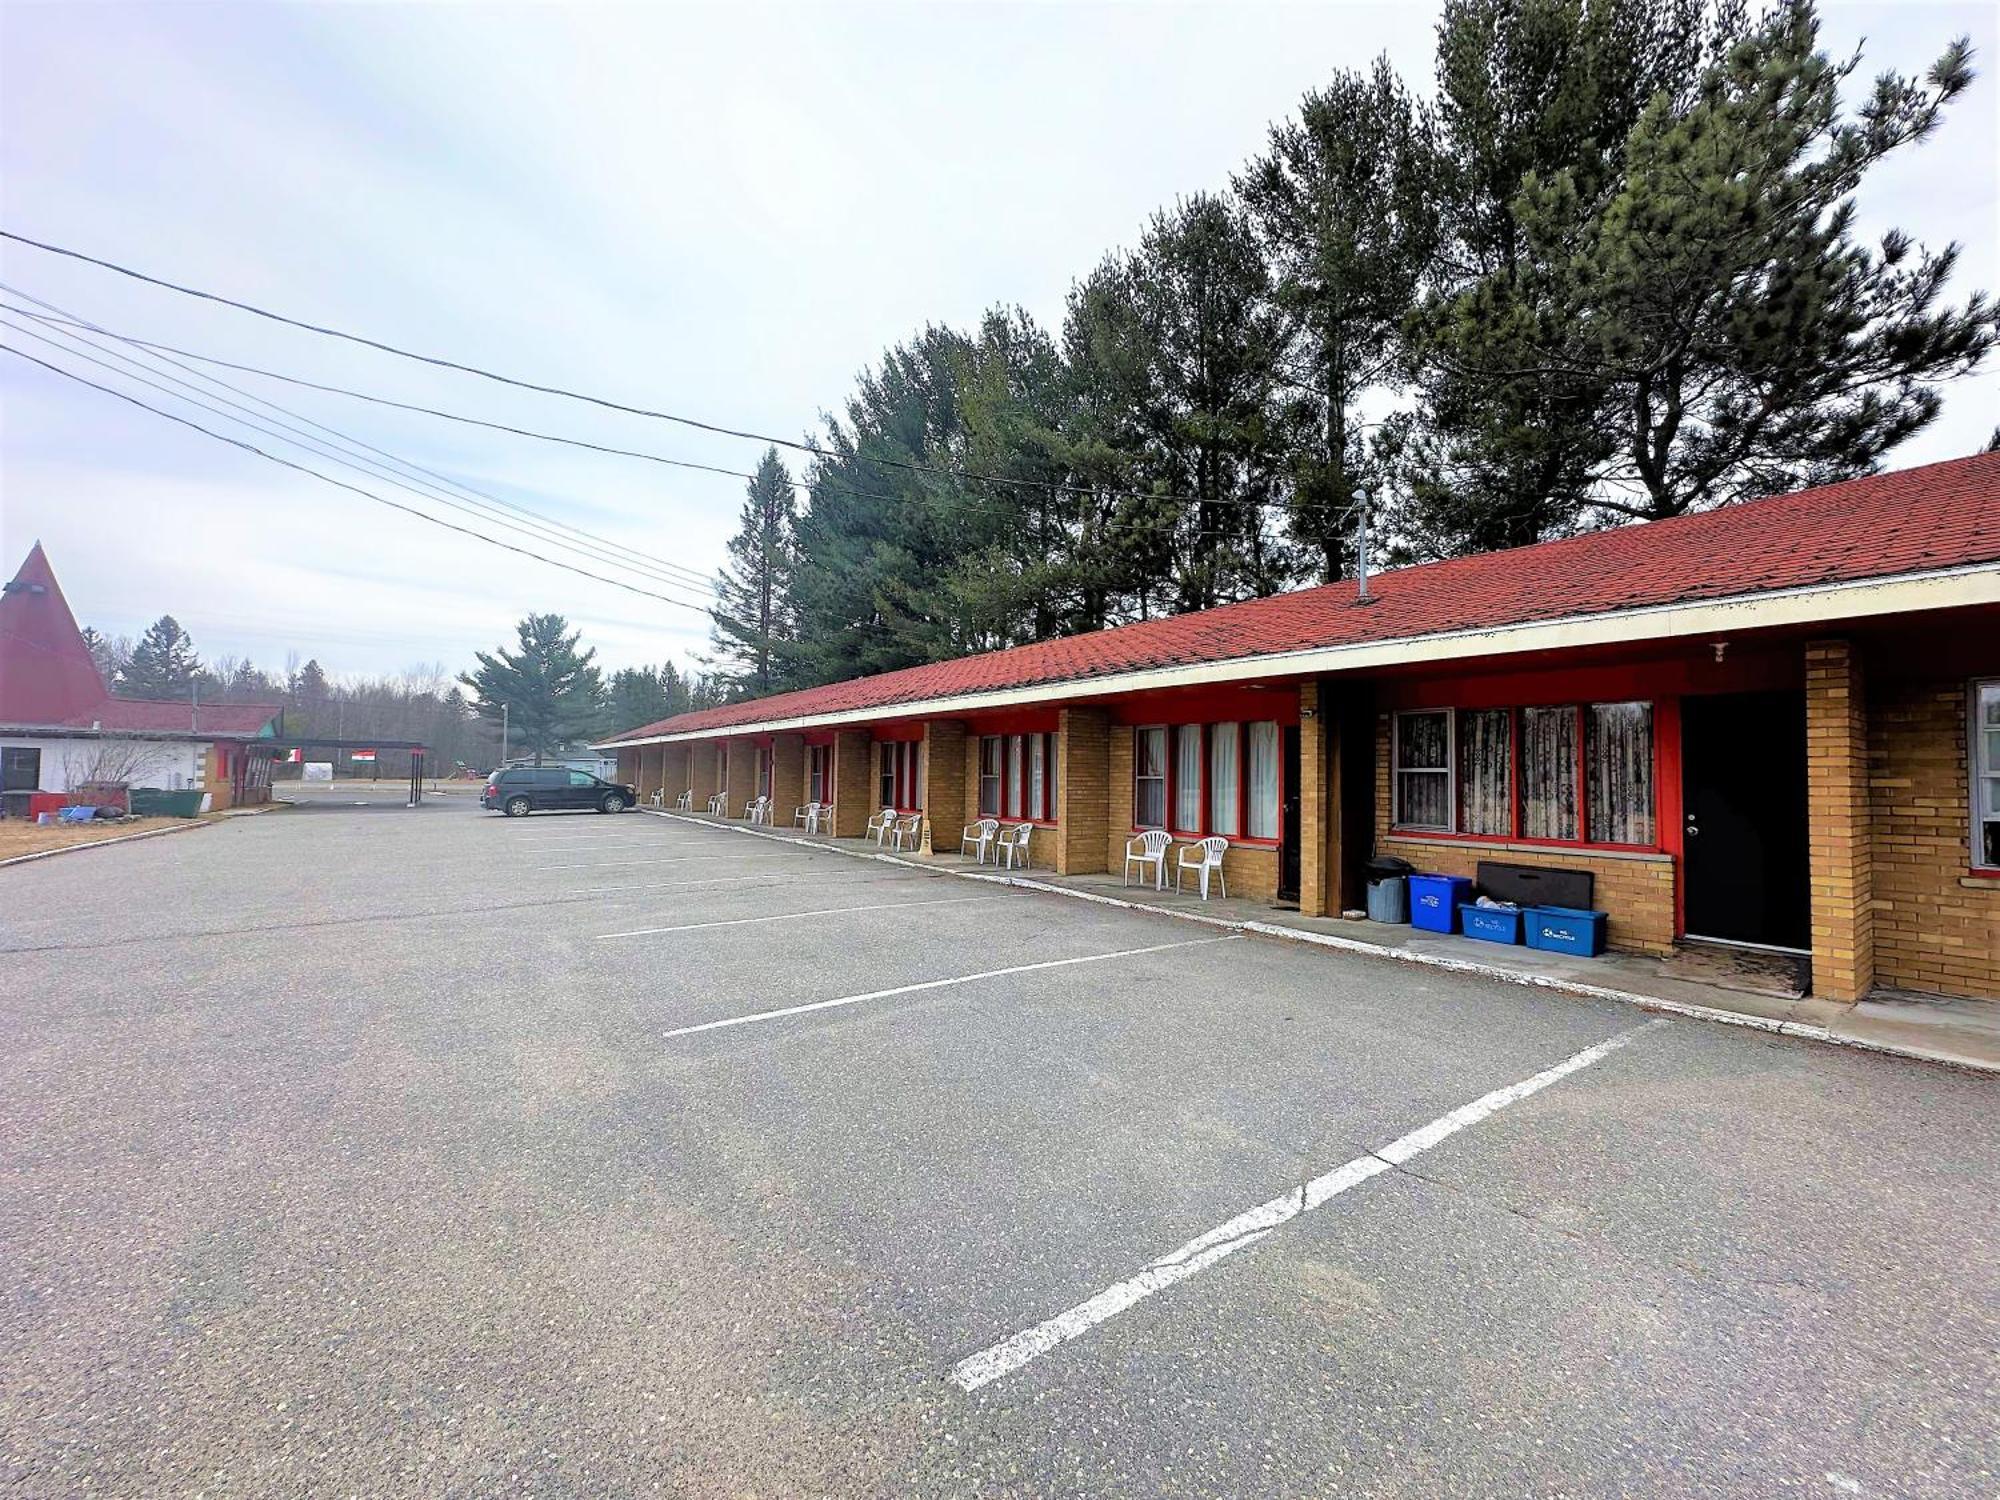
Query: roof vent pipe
x,y
1361,549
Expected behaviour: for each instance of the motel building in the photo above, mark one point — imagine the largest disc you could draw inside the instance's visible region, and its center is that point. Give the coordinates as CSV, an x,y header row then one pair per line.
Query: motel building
x,y
1768,729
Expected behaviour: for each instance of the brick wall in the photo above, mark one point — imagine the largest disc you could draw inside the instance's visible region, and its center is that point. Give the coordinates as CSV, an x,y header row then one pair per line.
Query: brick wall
x,y
788,776
1840,856
1936,926
629,768
1087,789
947,805
1635,890
1250,869
674,775
705,771
739,773
853,783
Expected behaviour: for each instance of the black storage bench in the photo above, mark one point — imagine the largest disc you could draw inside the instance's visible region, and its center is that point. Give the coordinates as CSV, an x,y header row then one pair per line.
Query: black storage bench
x,y
1528,885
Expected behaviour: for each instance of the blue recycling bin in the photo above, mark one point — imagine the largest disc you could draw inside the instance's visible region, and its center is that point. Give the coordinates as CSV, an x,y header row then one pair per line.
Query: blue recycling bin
x,y
1564,929
1491,924
1435,900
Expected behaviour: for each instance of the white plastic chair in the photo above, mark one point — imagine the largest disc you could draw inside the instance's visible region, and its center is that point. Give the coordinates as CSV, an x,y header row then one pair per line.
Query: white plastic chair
x,y
718,805
908,833
981,836
757,810
685,801
822,818
1015,844
1208,854
1151,850
879,826
659,796
802,817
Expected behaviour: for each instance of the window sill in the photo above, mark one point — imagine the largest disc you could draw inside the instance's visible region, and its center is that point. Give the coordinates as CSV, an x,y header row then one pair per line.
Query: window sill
x,y
1517,846
1978,878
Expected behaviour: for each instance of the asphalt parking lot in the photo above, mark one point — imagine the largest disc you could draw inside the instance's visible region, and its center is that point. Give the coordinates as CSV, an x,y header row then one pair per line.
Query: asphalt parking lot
x,y
385,1151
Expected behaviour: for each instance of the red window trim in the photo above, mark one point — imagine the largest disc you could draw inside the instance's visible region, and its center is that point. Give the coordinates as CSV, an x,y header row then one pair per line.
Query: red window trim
x,y
1043,816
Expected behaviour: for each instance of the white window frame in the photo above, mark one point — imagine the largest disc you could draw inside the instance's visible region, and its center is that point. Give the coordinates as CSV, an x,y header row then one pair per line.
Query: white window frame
x,y
1979,770
1165,777
1449,771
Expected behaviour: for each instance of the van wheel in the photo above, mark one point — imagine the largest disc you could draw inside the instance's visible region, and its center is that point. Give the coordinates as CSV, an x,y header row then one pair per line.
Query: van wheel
x,y
612,803
517,807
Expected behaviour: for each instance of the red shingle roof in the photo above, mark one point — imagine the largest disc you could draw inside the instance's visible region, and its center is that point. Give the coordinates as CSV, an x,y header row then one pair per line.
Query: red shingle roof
x,y
1943,515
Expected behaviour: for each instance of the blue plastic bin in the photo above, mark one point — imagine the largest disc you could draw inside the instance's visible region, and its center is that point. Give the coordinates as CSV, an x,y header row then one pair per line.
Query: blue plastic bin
x,y
1489,925
1435,900
1564,929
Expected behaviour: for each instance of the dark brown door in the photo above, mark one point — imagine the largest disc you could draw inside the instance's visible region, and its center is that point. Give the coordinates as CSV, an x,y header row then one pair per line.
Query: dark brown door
x,y
1743,770
1288,819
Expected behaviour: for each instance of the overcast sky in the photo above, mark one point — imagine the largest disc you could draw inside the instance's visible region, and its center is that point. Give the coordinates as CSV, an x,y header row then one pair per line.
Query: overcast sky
x,y
722,211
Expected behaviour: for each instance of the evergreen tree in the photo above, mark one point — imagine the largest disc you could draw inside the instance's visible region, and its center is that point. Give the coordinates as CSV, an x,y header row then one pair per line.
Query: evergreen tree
x,y
107,653
1733,338
551,692
309,685
638,696
1345,207
753,621
163,664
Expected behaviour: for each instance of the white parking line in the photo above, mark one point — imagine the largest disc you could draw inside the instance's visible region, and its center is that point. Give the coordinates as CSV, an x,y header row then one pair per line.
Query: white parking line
x,y
938,984
678,859
1252,1225
793,916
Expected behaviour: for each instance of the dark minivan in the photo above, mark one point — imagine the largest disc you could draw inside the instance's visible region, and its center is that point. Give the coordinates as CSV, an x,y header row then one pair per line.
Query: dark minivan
x,y
520,790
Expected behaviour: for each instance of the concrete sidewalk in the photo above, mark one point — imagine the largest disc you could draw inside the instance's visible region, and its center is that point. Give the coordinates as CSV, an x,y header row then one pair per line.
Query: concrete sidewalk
x,y
1963,1033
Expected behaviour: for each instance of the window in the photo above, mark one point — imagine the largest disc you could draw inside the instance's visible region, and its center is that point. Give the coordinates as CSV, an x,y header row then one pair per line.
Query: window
x,y
1486,771
1548,773
816,772
1985,766
1423,769
1039,803
1618,760
989,776
1149,778
1014,753
582,778
896,774
1225,787
1565,774
21,768
1197,773
1187,778
885,775
1263,781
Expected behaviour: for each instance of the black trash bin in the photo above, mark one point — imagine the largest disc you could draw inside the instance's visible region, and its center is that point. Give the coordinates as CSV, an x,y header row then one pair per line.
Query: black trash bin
x,y
1388,891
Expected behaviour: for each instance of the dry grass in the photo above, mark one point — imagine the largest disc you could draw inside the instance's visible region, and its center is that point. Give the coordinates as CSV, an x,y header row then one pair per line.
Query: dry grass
x,y
18,836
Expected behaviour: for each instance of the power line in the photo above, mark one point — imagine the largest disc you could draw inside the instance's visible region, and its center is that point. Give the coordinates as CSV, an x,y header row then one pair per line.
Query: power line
x,y
809,485
596,547
354,488
201,401
605,402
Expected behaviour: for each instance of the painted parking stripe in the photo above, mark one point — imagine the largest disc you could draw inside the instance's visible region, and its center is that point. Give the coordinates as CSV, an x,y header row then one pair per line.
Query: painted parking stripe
x,y
1252,1225
938,984
793,916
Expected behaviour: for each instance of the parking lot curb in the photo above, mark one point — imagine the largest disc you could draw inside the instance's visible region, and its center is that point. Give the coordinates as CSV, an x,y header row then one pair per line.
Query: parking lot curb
x,y
1653,1004
123,838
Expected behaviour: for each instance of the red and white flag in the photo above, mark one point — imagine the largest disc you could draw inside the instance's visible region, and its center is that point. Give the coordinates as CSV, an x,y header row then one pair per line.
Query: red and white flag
x,y
361,755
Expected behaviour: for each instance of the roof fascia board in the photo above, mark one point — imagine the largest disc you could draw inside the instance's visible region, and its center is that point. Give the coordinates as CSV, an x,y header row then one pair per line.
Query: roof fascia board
x,y
1951,588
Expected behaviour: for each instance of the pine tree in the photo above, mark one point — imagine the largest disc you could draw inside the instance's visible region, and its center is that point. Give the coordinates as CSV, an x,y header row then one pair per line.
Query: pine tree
x,y
638,696
753,620
107,653
163,664
551,692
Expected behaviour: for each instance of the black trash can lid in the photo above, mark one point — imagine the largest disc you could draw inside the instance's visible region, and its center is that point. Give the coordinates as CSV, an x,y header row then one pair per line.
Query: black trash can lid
x,y
1382,866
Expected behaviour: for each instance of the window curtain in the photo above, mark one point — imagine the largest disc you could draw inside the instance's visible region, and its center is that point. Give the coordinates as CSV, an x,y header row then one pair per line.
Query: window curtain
x,y
989,777
1263,781
1051,773
1485,771
1013,776
1423,770
1187,778
887,780
1618,751
1548,773
1986,785
1036,750
1149,788
1225,788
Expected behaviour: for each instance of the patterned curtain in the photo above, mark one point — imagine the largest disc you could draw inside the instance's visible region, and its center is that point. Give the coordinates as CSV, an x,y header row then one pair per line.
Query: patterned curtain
x,y
1187,778
1224,791
1618,750
1423,769
1485,771
1263,781
1548,773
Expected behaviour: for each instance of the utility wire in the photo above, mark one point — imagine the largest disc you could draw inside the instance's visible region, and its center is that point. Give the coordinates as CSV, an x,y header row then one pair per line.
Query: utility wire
x,y
594,546
808,485
353,488
203,402
441,363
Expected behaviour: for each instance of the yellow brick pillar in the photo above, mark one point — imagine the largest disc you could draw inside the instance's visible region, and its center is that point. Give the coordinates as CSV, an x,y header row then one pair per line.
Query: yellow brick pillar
x,y
947,809
853,783
788,776
1319,804
1084,791
674,770
1840,859
739,774
628,766
704,771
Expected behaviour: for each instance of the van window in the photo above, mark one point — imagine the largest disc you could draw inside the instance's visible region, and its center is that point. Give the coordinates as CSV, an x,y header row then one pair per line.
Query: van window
x,y
582,778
